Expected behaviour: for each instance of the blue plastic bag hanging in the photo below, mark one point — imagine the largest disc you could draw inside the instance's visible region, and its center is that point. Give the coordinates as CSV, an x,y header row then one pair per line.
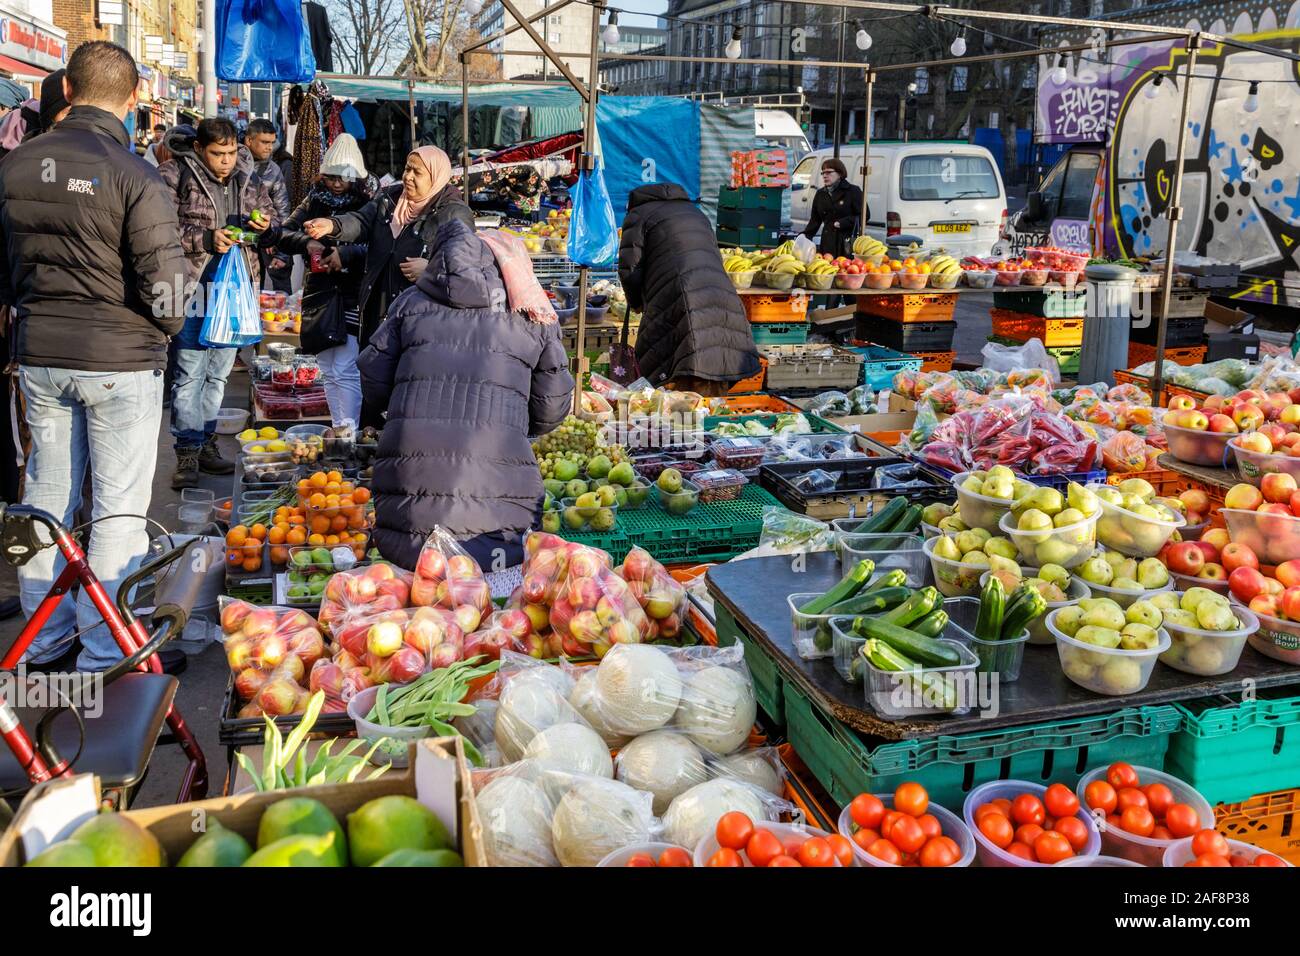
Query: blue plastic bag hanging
x,y
232,319
261,41
593,231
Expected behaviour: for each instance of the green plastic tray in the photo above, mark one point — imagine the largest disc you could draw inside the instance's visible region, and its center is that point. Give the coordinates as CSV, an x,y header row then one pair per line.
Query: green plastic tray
x,y
1233,751
768,685
1067,358
776,333
820,426
949,767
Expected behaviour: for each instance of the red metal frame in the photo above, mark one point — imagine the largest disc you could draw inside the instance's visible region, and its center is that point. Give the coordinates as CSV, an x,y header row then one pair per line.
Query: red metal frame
x,y
129,637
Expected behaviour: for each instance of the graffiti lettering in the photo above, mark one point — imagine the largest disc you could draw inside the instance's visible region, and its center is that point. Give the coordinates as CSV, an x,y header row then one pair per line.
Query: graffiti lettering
x,y
1084,112
1070,234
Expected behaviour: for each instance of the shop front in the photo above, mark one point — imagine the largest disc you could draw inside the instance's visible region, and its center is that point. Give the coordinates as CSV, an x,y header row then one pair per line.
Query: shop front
x,y
29,49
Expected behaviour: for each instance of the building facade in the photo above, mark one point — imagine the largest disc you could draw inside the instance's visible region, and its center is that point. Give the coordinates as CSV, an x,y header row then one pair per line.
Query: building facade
x,y
567,30
32,45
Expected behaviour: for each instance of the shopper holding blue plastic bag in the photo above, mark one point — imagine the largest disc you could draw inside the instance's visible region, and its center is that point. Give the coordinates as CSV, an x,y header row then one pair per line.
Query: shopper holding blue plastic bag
x,y
212,179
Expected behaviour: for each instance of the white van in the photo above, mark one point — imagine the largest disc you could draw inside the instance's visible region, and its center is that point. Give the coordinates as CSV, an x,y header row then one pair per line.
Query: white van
x,y
777,129
949,194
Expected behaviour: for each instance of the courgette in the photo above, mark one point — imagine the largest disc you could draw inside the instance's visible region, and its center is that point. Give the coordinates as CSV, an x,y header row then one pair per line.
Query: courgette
x,y
882,520
849,585
932,624
886,658
870,601
896,578
920,604
1026,605
934,688
988,626
905,526
925,650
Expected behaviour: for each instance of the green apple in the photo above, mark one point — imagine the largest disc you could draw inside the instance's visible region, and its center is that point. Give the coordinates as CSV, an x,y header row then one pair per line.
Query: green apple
x,y
1081,499
1152,573
1121,676
1096,571
1055,574
952,525
1213,616
1193,598
1098,636
1129,585
1068,620
1143,612
1138,487
976,559
1138,637
1165,601
1002,547
1055,551
933,514
969,541
1108,615
946,548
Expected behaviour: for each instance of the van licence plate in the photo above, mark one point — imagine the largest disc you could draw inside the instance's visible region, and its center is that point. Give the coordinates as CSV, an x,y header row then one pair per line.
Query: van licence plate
x,y
950,228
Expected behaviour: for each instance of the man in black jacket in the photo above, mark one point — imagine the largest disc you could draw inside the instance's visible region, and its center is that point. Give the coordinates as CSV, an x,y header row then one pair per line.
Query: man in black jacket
x,y
91,263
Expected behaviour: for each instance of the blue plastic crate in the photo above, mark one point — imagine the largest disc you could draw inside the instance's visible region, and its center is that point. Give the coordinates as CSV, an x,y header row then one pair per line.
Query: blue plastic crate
x,y
880,365
777,333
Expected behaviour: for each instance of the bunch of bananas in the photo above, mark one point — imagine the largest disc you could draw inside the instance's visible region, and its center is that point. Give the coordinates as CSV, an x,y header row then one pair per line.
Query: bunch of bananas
x,y
944,265
821,267
785,264
784,249
867,246
728,253
737,263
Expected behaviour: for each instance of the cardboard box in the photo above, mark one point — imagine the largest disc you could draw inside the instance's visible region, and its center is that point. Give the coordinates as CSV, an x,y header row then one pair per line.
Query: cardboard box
x,y
899,404
1225,316
438,778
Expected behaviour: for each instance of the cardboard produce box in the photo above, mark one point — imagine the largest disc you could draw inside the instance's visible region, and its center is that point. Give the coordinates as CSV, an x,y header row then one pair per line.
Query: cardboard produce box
x,y
438,777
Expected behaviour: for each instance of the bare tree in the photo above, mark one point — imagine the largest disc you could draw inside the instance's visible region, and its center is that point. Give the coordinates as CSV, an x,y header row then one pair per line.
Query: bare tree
x,y
436,32
367,34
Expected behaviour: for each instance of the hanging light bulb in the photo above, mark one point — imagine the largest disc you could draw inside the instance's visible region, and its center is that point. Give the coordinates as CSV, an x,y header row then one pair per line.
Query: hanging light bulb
x,y
1252,97
1059,76
472,7
862,38
610,33
958,47
1153,89
733,48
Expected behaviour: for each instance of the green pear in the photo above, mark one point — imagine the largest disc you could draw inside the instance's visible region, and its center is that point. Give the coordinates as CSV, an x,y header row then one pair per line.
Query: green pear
x,y
1063,519
1165,601
1120,676
999,563
952,525
1109,494
969,541
1068,620
1055,551
973,484
1213,616
1152,574
587,504
1097,570
1177,617
1002,547
946,548
1128,568
1077,668
1128,585
1082,499
1050,592
1206,657
1001,488
1034,520
622,474
1002,471
1047,500
670,481
603,520
1055,574
1193,597
1137,487
933,514
1143,612
554,487
1023,490
1098,636
565,470
551,522
1108,615
976,559
599,466
573,519
575,488
1138,637
607,494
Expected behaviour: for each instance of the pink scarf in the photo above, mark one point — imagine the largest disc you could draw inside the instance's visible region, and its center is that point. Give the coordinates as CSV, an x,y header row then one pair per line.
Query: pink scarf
x,y
439,166
523,291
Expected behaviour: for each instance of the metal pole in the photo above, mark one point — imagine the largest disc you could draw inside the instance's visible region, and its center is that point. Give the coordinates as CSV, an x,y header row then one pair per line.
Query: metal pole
x,y
553,8
464,121
551,54
1175,213
866,148
588,164
208,73
902,116
839,85
410,102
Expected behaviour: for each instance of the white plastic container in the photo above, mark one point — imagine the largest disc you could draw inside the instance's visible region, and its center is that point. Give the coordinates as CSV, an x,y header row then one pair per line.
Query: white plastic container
x,y
1185,581
1179,853
1208,449
1121,530
1100,861
1078,591
990,855
791,836
1275,538
620,857
1069,546
394,750
1208,653
1277,637
897,695
977,510
805,628
1106,670
995,657
1125,598
231,421
846,648
1140,849
949,822
952,578
888,551
1254,466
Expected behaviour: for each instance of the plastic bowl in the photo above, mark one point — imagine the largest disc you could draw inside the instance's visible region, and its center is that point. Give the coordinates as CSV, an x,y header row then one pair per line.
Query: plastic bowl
x,y
977,510
849,280
1006,277
1254,466
1179,853
898,695
980,278
1209,449
397,739
1184,581
620,857
741,280
1034,277
951,825
809,633
874,261
780,281
995,657
1275,538
1085,664
888,551
990,855
587,516
1097,861
1069,546
1078,591
1209,653
846,648
948,281
230,421
818,283
1139,849
790,834
1277,637
1126,598
1121,530
681,502
1193,532
913,282
929,531
879,281
952,578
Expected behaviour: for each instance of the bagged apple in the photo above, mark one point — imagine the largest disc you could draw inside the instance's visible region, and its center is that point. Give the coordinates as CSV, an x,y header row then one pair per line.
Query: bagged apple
x,y
339,679
446,576
261,641
508,630
364,591
595,609
539,615
398,646
662,598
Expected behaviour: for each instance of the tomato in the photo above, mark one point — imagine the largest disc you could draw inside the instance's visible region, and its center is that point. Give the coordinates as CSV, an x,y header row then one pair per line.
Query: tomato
x,y
815,851
640,859
1023,851
984,809
1027,833
867,811
782,859
997,830
884,850
1003,804
1120,775
1060,801
1159,799
930,825
911,798
864,837
1112,821
1052,847
1027,808
941,851
887,824
1138,821
842,848
1210,841
1268,859
725,857
1240,859
675,856
1074,830
763,847
907,835
1049,823
1100,795
734,830
1210,859
1130,797
1161,832
1182,820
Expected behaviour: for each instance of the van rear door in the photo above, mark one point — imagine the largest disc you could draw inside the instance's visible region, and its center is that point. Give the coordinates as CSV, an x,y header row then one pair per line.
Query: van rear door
x,y
953,198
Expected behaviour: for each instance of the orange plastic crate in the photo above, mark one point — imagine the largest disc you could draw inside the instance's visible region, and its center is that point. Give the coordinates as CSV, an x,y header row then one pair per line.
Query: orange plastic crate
x,y
776,308
1215,495
1164,481
701,625
1053,333
910,307
754,405
1171,390
1123,376
936,361
1270,821
752,384
803,790
1140,353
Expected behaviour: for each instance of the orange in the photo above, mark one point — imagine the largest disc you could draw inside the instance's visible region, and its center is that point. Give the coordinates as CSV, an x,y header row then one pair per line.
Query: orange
x,y
257,531
254,563
361,495
277,534
347,487
334,476
318,480
895,265
909,261
297,520
316,501
331,501
331,540
338,523
357,520
279,555
344,537
236,536
316,540
235,557
925,268
320,525
332,488
296,536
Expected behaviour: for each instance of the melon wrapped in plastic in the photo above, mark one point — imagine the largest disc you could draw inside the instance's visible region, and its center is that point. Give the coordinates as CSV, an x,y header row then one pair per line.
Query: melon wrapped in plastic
x,y
446,576
662,598
363,591
268,644
531,696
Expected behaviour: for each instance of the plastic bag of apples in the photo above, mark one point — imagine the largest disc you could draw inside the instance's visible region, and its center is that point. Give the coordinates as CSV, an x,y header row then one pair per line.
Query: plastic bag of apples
x,y
270,650
363,592
661,597
447,577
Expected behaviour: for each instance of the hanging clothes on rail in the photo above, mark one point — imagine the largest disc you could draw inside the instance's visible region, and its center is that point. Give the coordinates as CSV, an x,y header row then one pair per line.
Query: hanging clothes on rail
x,y
390,139
307,144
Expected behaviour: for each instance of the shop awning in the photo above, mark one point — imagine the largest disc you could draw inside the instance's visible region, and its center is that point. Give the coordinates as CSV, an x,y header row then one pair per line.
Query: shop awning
x,y
19,68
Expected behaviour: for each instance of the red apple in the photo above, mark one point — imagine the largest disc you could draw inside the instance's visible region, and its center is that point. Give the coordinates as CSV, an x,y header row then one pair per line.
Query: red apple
x,y
278,697
233,614
1210,552
1288,574
1186,557
1213,572
1248,417
463,568
1236,556
514,622
1218,537
1243,497
249,682
1256,442
1273,586
1185,402
445,654
1222,424
406,664
1245,583
1273,432
259,622
1290,603
1266,604
326,676
1278,487
269,651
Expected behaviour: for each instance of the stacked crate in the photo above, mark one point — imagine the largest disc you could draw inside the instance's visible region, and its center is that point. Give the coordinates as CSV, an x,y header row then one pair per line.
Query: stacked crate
x,y
915,323
749,217
1054,318
780,318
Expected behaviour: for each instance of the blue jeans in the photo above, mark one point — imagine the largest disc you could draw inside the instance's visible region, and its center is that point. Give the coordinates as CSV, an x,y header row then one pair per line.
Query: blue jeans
x,y
199,386
109,422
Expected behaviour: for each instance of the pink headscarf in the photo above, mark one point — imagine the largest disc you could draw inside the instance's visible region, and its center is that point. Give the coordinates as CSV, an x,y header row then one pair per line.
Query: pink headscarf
x,y
439,166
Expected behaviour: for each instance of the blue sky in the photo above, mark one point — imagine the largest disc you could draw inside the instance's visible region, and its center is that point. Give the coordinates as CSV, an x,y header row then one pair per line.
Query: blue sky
x,y
641,7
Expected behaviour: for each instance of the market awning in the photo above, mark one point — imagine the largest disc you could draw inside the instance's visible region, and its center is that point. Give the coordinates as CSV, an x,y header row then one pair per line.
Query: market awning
x,y
490,94
19,68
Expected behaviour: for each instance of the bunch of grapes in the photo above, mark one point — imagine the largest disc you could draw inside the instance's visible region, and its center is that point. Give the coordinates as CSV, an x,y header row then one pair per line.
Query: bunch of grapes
x,y
574,440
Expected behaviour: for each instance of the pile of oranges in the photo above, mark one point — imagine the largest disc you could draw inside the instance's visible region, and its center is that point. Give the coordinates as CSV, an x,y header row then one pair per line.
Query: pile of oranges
x,y
330,512
908,266
333,506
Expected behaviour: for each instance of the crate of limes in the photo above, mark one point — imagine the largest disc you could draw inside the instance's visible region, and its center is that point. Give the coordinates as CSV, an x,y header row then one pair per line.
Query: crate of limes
x,y
311,568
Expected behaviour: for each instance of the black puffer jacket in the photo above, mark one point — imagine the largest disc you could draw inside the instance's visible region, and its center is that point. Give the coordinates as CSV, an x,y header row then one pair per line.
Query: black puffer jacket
x,y
692,324
837,211
466,384
90,257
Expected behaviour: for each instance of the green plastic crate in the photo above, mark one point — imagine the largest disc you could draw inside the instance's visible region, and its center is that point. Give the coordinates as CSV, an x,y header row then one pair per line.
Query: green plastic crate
x,y
777,333
614,541
750,197
768,685
820,426
1231,752
949,767
1067,358
1064,304
749,238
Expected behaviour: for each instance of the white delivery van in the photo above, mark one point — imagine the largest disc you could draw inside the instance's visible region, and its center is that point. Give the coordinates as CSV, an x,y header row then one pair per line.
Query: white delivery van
x,y
949,194
777,129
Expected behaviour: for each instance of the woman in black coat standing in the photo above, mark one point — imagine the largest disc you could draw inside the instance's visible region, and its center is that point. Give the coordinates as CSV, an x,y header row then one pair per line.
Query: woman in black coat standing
x,y
693,328
470,365
836,210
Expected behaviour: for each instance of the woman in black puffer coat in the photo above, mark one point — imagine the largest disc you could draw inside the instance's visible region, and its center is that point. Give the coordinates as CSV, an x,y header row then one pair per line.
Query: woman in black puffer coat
x,y
693,327
466,383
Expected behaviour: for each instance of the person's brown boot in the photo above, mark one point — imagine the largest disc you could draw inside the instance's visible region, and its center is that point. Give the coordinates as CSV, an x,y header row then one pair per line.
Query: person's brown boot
x,y
187,468
211,462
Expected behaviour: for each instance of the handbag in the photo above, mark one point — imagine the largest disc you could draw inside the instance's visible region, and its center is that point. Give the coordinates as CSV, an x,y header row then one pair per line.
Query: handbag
x,y
623,367
325,327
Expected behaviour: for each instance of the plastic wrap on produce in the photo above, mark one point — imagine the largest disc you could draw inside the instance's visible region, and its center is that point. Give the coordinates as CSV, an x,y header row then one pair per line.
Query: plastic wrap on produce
x,y
362,592
792,447
785,532
270,651
595,816
661,597
693,814
832,404
1124,452
516,813
862,401
531,697
446,576
814,482
904,476
758,766
1279,373
1013,430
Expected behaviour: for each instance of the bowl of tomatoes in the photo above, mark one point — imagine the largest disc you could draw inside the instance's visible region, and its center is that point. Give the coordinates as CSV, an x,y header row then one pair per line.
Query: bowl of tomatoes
x,y
737,840
1211,848
1146,810
649,854
1018,823
905,828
